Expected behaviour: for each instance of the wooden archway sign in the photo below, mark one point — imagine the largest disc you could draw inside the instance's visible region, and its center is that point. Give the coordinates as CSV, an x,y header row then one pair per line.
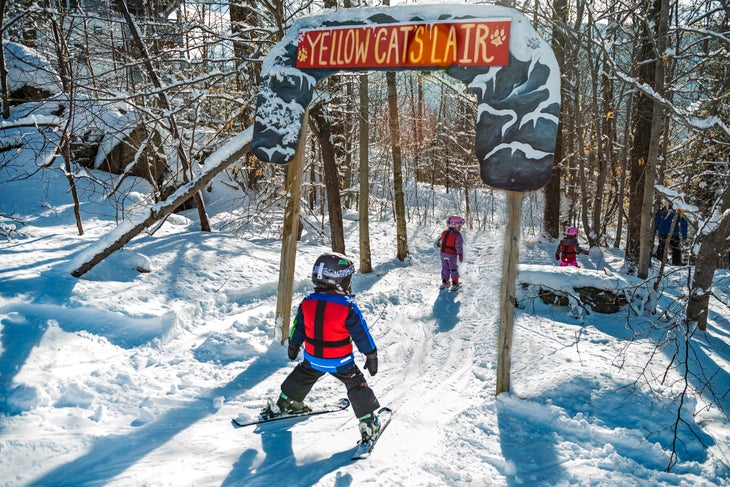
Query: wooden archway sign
x,y
494,50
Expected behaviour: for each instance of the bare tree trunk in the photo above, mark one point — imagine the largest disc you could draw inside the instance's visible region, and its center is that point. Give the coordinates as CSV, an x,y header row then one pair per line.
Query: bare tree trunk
x,y
244,16
418,126
647,207
399,203
64,72
182,155
366,262
400,207
66,152
551,211
712,246
624,163
609,157
321,128
4,90
643,114
603,83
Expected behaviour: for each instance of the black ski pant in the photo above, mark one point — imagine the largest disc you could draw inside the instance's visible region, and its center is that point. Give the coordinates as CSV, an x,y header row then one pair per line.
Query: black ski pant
x,y
300,381
675,246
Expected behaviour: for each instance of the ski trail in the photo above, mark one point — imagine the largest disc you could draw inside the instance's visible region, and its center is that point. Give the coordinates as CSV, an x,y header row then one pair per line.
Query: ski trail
x,y
437,350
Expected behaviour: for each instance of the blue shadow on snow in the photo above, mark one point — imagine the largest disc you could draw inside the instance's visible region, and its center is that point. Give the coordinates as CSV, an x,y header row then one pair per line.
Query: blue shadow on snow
x,y
109,456
446,310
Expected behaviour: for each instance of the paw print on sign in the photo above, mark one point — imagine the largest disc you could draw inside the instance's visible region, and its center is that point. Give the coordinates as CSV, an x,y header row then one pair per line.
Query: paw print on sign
x,y
498,37
533,42
302,55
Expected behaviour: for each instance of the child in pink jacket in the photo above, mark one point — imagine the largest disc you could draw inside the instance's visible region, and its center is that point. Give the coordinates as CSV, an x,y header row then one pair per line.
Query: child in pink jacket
x,y
568,248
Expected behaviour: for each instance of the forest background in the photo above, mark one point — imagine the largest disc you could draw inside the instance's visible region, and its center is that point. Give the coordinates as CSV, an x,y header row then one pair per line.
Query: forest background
x,y
644,120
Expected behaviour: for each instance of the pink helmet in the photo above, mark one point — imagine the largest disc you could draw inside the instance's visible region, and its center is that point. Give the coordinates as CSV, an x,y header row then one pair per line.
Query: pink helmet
x,y
571,232
454,221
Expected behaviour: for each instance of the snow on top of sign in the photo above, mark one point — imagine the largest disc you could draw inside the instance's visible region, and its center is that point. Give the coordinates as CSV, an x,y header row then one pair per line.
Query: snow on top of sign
x,y
520,98
402,13
271,111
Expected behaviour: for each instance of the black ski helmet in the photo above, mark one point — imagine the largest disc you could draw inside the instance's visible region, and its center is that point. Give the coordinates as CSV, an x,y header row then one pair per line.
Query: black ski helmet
x,y
333,271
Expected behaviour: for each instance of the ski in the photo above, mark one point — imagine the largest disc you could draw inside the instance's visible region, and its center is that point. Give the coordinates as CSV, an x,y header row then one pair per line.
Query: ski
x,y
263,417
365,448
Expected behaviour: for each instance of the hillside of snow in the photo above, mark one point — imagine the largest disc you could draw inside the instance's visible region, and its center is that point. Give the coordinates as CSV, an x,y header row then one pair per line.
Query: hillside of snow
x,y
124,378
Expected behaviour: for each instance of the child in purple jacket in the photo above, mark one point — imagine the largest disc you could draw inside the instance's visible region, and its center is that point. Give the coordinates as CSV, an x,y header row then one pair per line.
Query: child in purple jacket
x,y
451,245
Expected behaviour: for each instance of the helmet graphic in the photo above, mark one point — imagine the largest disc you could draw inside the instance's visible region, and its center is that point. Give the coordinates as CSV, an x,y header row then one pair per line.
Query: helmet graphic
x,y
571,232
454,221
333,271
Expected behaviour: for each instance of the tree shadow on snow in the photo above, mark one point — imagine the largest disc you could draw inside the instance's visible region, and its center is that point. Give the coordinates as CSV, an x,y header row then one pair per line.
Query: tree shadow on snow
x,y
109,456
23,327
528,444
632,422
280,466
707,377
19,337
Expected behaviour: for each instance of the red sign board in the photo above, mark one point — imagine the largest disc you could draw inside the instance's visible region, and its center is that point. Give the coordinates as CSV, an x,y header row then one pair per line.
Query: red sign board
x,y
412,45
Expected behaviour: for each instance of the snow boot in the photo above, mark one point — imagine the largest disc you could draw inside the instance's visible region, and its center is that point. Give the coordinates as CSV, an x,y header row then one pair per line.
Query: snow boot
x,y
369,426
288,406
456,284
445,284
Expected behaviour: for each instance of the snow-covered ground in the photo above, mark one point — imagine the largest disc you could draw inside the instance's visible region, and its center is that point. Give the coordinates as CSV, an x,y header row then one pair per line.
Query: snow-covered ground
x,y
125,378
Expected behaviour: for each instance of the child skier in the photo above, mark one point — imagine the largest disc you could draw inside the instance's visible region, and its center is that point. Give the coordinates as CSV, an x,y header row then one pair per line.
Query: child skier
x,y
451,244
568,248
327,322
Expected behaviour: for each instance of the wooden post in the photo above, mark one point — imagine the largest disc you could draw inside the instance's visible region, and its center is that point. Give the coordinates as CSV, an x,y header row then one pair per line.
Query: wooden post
x,y
290,234
507,291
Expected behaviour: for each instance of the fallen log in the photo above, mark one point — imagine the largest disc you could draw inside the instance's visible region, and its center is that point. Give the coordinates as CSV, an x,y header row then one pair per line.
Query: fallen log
x,y
231,152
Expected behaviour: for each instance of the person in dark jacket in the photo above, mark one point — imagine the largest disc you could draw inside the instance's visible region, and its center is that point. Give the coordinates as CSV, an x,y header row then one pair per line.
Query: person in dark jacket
x,y
451,245
568,248
668,220
326,324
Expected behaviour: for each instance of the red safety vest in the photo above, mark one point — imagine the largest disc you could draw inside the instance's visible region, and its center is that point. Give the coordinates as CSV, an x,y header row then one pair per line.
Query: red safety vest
x,y
568,249
325,331
448,241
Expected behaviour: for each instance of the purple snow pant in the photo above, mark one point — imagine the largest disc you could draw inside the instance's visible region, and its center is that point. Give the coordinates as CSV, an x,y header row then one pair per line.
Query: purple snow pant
x,y
449,266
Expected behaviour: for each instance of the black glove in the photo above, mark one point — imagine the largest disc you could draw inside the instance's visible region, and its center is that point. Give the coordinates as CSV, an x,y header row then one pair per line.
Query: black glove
x,y
293,351
371,362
